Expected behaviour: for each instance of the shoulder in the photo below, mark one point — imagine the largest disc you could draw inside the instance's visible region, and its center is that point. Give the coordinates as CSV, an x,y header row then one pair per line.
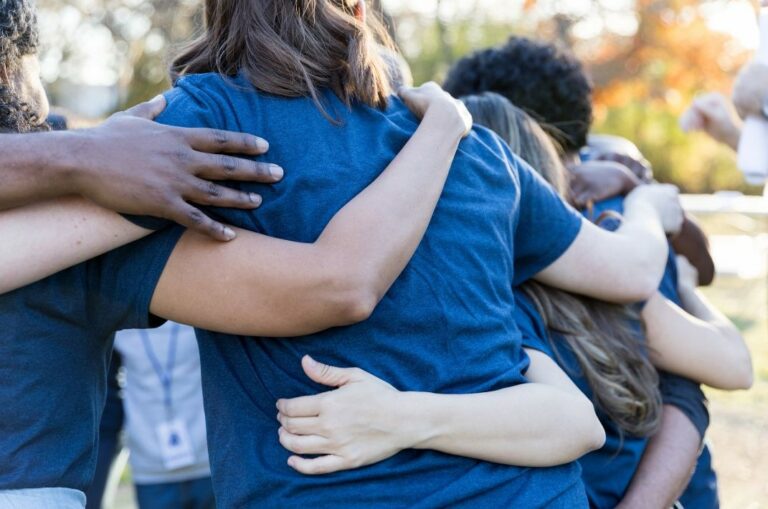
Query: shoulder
x,y
204,100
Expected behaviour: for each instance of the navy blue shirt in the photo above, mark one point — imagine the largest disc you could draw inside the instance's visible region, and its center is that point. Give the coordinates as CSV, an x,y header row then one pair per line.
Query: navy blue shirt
x,y
607,471
446,325
55,343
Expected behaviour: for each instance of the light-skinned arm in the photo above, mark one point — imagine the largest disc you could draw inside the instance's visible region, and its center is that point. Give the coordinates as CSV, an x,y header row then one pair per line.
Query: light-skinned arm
x,y
628,264
365,420
698,341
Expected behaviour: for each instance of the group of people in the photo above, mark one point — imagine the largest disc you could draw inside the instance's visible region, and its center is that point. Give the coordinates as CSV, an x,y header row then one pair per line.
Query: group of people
x,y
439,298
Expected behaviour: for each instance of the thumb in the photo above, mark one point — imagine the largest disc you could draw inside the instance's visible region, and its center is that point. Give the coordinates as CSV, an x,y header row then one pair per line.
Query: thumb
x,y
325,374
149,109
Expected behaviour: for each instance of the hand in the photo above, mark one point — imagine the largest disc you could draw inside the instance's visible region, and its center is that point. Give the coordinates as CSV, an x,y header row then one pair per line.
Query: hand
x,y
665,198
595,181
350,427
715,115
687,275
430,97
640,167
751,90
133,165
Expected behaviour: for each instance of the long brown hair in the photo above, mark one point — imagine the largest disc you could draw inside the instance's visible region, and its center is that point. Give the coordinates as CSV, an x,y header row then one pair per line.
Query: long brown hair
x,y
292,48
605,338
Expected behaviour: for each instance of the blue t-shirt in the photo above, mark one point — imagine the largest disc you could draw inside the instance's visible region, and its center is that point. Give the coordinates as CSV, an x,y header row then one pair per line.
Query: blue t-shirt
x,y
445,325
607,471
55,346
678,391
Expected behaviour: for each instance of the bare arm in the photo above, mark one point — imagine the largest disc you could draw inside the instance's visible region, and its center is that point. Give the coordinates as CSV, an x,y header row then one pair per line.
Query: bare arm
x,y
366,420
626,265
133,165
262,286
699,342
667,464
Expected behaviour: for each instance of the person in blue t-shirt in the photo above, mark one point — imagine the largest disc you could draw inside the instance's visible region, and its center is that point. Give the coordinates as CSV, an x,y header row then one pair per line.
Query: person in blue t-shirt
x,y
599,345
496,224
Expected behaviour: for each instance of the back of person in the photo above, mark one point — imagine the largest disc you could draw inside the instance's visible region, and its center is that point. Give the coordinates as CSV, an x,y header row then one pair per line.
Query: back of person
x,y
452,306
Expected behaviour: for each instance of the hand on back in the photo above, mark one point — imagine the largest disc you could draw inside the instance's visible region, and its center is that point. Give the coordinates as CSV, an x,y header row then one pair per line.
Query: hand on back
x,y
594,181
430,96
133,165
665,199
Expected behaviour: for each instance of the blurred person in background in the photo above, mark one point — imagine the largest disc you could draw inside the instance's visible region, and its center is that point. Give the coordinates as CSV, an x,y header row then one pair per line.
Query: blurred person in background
x,y
551,85
162,385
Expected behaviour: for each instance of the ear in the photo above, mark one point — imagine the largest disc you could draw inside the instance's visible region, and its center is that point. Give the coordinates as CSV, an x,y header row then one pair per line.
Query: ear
x,y
361,11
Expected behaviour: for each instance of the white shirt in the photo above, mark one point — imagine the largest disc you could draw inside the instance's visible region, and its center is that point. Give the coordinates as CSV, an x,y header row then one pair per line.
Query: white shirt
x,y
144,400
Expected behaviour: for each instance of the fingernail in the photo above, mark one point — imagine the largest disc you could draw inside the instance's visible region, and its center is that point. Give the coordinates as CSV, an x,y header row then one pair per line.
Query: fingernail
x,y
255,198
229,233
262,145
276,171
158,97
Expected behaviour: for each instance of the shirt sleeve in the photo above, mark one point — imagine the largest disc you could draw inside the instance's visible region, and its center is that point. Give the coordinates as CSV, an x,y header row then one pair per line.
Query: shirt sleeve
x,y
532,328
688,397
122,282
546,225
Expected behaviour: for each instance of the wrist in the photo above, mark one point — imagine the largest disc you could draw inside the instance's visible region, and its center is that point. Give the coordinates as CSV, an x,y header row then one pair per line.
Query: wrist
x,y
69,157
418,425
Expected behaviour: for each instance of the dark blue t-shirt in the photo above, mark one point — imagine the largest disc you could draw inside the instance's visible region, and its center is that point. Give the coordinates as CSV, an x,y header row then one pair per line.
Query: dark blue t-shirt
x,y
678,391
445,325
607,471
55,346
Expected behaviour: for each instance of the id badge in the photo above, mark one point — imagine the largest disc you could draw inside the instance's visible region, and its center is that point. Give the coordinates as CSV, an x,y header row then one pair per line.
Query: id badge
x,y
175,444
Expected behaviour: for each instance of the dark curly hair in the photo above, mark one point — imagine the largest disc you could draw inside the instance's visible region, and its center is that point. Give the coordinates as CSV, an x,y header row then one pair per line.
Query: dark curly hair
x,y
547,82
19,35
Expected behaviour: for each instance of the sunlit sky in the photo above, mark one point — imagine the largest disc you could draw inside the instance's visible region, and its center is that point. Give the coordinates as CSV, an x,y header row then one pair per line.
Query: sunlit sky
x,y
97,67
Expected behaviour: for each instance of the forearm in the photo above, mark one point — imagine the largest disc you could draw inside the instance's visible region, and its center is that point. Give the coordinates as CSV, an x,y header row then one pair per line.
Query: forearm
x,y
642,242
44,238
521,425
35,167
667,464
701,345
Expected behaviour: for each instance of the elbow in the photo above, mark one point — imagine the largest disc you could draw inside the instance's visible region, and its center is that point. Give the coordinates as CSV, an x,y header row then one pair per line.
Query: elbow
x,y
594,435
742,374
589,434
356,297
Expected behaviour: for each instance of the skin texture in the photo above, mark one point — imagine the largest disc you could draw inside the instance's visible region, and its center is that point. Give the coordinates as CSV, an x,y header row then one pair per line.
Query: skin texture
x,y
667,464
697,342
101,164
365,420
595,181
625,265
751,90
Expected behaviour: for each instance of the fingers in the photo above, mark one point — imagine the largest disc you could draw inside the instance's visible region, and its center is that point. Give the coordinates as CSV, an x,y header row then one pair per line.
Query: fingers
x,y
148,110
211,194
215,141
223,167
304,406
300,425
318,466
303,444
194,219
328,375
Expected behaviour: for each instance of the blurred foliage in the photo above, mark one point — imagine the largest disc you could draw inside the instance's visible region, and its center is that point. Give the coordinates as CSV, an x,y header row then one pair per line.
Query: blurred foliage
x,y
644,75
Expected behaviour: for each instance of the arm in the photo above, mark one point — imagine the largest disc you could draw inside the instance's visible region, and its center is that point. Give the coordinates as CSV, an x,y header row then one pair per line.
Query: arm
x,y
366,420
713,114
625,265
699,342
692,243
667,464
262,286
133,165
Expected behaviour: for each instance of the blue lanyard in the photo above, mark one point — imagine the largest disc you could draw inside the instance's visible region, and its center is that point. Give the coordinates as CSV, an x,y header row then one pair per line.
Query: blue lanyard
x,y
165,374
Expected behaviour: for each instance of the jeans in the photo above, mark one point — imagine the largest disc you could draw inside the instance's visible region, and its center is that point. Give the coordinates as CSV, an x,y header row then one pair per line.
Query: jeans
x,y
194,494
42,498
